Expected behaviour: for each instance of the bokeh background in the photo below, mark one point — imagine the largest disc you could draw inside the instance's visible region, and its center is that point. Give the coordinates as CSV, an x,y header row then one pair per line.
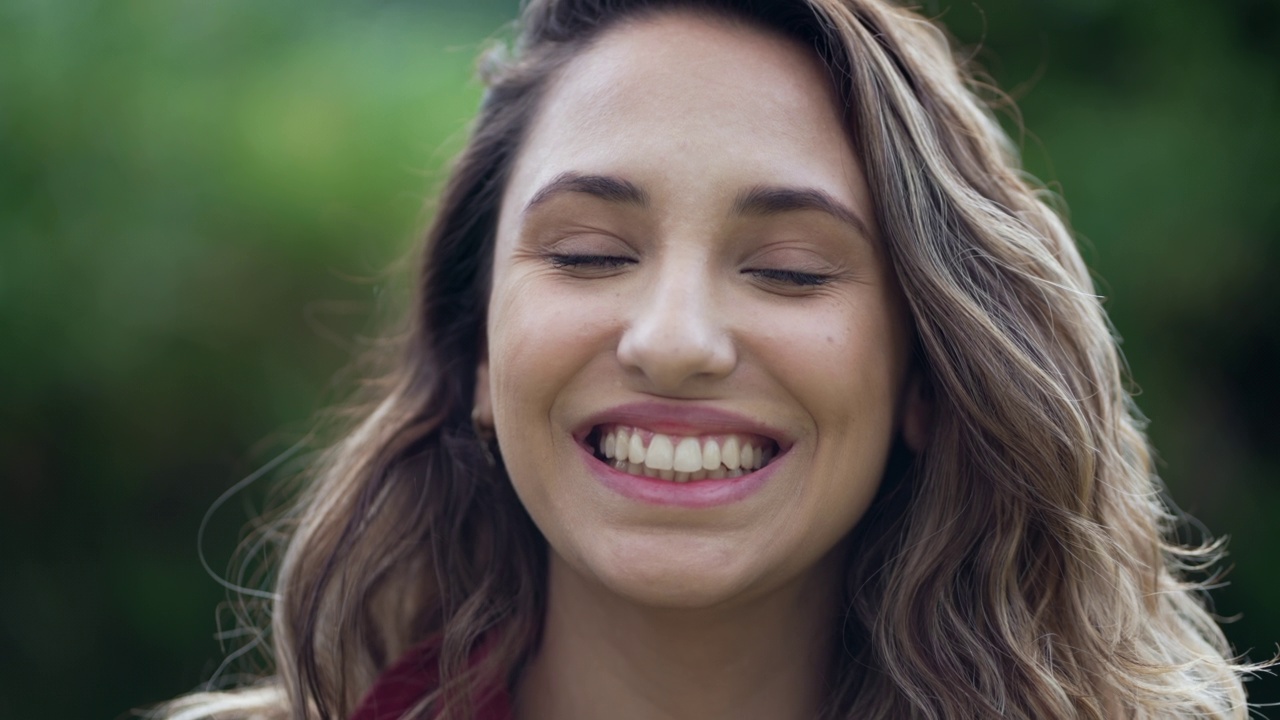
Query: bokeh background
x,y
203,204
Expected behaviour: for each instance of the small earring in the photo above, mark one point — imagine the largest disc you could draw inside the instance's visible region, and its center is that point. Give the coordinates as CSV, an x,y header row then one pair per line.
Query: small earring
x,y
486,435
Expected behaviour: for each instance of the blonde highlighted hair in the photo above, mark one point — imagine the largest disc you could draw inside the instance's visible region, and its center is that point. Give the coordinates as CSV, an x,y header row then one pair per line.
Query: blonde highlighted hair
x,y
1023,565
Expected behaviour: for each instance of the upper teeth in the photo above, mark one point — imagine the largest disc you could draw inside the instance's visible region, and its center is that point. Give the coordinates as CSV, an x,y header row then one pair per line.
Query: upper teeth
x,y
682,458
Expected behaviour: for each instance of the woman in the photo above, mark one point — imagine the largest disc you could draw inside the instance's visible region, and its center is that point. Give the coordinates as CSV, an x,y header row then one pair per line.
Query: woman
x,y
749,379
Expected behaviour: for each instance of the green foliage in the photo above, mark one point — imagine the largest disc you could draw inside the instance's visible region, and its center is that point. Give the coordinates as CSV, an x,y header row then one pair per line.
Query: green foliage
x,y
195,199
198,201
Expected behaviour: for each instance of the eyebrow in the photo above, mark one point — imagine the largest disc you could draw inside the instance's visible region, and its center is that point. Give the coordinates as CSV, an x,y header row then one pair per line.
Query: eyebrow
x,y
774,200
758,200
604,187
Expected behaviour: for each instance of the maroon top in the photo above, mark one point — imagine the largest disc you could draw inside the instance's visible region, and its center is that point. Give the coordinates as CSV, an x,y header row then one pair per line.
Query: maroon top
x,y
412,677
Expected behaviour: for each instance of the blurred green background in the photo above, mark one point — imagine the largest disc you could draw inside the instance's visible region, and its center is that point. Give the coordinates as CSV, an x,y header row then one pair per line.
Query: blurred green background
x,y
199,201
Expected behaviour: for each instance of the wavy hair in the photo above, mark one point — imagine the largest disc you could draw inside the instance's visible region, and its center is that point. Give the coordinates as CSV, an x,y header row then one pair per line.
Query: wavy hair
x,y
1022,565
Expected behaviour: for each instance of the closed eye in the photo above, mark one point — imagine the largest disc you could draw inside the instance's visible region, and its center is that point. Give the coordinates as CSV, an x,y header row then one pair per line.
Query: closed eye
x,y
599,262
791,277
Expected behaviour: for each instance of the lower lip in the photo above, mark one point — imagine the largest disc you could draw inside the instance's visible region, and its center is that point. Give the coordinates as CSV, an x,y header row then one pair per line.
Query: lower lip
x,y
692,494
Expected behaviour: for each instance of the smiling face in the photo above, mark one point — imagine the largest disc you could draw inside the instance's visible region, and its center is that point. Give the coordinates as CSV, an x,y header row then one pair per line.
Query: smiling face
x,y
686,271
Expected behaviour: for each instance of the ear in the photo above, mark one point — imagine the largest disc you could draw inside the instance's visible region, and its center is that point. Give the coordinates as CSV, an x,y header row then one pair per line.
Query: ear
x,y
917,412
482,412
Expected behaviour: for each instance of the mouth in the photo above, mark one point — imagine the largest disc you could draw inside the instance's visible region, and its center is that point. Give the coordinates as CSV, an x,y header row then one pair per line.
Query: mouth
x,y
679,458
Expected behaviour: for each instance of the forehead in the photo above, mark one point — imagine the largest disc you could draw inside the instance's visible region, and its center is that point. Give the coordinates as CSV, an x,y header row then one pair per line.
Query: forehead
x,y
685,102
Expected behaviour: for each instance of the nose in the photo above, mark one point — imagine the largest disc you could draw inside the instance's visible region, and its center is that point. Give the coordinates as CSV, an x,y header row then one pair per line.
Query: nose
x,y
678,337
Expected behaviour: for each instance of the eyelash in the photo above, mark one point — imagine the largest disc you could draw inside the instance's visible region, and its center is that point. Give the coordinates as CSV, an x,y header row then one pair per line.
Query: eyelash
x,y
602,262
610,262
793,277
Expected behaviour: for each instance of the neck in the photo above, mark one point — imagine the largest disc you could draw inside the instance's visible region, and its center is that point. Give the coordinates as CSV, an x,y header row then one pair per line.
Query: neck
x,y
604,656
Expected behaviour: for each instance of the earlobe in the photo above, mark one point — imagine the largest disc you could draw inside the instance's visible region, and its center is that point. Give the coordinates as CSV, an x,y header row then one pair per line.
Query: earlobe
x,y
482,410
917,413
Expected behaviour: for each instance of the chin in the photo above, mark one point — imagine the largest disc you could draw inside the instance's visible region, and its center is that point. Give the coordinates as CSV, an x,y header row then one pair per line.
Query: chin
x,y
676,572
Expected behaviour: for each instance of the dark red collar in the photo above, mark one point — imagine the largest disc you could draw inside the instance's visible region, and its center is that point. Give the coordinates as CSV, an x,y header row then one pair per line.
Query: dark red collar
x,y
412,677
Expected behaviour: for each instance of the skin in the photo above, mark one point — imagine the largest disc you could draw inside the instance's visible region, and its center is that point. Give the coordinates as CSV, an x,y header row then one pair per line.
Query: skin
x,y
660,611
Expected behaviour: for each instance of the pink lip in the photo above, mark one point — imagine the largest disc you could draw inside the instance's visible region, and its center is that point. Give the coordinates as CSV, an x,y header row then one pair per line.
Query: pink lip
x,y
693,494
680,420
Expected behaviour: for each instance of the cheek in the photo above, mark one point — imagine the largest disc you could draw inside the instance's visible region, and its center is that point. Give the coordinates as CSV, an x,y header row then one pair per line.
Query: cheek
x,y
843,359
540,337
844,364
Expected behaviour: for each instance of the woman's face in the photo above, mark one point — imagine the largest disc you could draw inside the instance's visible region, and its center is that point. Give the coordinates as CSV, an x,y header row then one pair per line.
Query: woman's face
x,y
697,353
